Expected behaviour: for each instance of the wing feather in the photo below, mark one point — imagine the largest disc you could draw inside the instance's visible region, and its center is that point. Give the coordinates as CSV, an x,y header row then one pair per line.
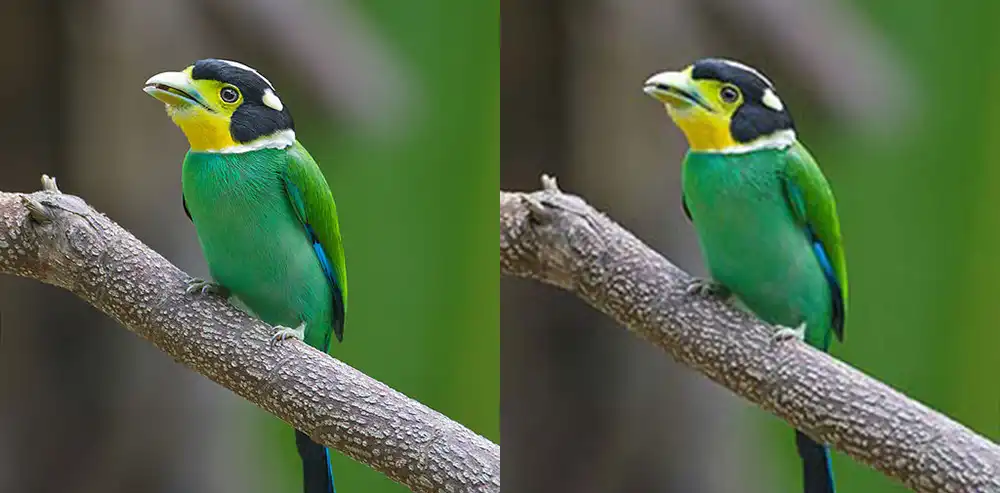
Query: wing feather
x,y
310,195
811,199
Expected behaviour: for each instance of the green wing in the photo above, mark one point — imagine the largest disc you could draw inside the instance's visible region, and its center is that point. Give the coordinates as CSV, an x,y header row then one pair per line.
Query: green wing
x,y
812,201
313,202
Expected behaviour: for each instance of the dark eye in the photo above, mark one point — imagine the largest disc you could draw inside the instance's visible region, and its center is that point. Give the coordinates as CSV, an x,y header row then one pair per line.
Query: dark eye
x,y
229,94
729,94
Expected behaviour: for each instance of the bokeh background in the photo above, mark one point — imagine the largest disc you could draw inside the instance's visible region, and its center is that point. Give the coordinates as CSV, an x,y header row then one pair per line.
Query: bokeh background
x,y
895,99
398,101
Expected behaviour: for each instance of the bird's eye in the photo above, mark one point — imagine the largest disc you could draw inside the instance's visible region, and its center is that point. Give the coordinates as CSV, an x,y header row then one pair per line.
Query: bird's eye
x,y
729,94
229,94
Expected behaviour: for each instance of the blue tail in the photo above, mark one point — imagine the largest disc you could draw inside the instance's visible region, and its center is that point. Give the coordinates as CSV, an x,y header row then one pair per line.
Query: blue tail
x,y
817,470
317,475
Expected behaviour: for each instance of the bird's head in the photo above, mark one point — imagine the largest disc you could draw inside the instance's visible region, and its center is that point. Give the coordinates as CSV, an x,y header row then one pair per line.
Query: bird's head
x,y
723,106
224,106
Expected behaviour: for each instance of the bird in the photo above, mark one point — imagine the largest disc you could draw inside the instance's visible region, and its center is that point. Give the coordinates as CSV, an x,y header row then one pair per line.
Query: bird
x,y
263,213
763,211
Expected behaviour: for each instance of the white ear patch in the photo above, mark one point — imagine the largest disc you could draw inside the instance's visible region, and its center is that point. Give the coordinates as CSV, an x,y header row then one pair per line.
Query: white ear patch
x,y
772,101
272,101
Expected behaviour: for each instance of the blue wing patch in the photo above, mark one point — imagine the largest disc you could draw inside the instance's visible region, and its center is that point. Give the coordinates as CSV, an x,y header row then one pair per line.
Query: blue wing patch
x,y
324,261
837,295
797,201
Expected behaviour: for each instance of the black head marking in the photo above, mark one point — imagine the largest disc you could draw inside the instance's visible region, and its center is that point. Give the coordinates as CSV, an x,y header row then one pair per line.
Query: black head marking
x,y
252,119
729,71
753,119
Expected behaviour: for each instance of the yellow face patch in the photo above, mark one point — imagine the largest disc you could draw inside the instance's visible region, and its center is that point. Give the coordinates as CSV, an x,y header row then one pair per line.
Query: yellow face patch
x,y
707,125
702,108
201,108
204,131
704,131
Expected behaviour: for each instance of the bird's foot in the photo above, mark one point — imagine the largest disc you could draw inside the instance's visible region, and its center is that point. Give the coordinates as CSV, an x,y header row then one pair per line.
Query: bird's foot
x,y
706,287
197,285
789,333
284,333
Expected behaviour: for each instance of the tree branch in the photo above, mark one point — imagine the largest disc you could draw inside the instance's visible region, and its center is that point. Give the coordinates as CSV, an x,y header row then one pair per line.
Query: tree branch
x,y
560,240
58,239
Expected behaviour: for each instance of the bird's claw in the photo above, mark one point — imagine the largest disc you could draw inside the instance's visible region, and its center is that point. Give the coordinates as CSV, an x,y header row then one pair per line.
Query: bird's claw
x,y
706,287
197,285
789,333
285,333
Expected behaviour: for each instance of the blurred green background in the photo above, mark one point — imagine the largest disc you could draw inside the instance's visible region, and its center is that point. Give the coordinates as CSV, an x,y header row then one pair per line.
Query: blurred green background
x,y
894,98
397,101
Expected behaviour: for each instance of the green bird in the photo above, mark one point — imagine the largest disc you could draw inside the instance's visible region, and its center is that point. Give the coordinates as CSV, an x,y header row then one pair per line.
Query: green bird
x,y
764,213
262,210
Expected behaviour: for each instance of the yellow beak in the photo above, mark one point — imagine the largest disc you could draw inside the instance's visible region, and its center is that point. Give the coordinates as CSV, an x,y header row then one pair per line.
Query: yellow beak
x,y
676,90
176,89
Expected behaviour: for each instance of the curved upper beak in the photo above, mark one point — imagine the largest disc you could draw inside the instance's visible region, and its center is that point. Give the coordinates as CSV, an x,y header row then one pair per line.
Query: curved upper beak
x,y
176,89
675,89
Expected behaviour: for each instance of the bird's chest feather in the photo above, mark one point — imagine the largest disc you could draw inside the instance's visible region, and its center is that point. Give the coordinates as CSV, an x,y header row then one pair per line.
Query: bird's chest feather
x,y
749,237
253,242
235,200
734,198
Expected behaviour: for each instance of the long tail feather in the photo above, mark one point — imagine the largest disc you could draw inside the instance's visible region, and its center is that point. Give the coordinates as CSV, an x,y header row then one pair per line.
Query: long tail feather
x,y
317,475
817,470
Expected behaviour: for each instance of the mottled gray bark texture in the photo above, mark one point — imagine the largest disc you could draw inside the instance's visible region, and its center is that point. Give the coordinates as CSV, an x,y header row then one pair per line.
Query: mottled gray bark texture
x,y
60,240
559,239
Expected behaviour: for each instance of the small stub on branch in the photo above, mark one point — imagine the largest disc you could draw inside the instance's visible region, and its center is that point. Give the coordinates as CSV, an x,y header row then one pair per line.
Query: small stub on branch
x,y
49,184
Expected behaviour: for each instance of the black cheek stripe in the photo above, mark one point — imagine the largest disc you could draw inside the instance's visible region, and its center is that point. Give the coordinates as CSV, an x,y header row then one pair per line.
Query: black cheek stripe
x,y
251,121
751,122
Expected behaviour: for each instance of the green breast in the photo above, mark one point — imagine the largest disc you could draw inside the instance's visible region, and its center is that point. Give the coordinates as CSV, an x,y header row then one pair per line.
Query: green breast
x,y
252,240
750,240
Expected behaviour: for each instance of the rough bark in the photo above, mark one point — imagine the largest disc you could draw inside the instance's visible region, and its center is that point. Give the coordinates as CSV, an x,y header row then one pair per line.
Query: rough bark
x,y
60,240
559,239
